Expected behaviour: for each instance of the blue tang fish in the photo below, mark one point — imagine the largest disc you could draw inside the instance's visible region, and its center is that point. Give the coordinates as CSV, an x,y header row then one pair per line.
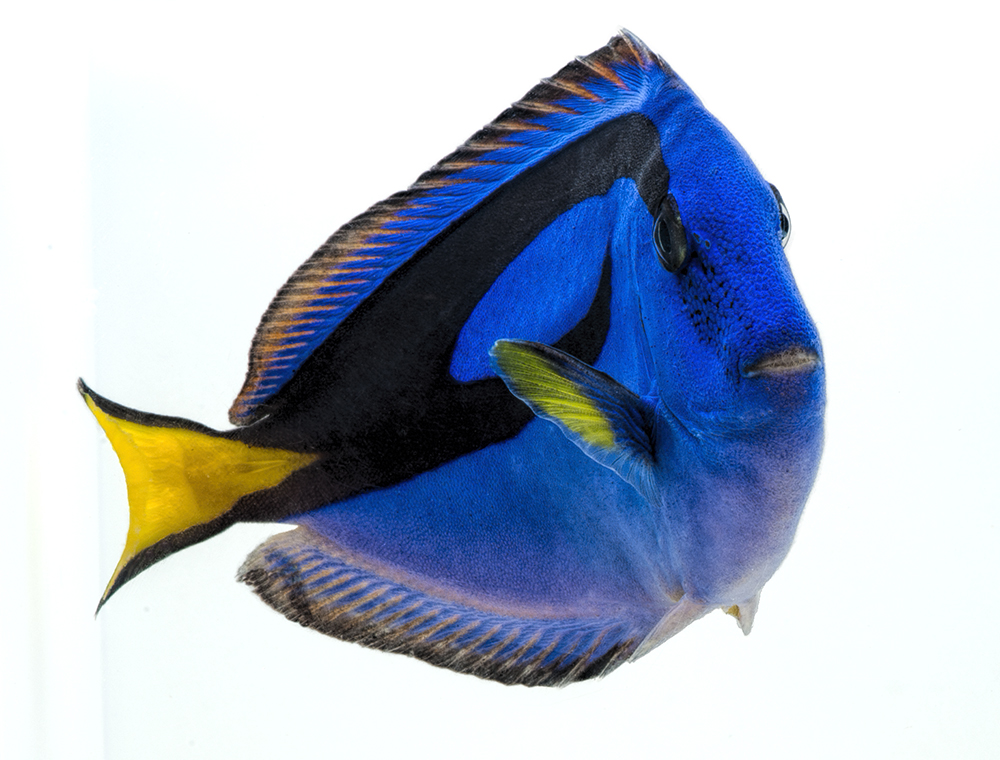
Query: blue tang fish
x,y
533,415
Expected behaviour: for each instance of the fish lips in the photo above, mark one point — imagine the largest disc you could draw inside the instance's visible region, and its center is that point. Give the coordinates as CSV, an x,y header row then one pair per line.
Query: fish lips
x,y
790,361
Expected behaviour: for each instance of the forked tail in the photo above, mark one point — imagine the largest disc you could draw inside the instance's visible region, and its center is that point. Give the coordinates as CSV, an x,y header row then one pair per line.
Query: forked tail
x,y
180,476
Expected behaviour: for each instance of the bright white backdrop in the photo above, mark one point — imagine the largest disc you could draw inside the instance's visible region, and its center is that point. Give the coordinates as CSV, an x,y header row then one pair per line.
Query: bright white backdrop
x,y
163,170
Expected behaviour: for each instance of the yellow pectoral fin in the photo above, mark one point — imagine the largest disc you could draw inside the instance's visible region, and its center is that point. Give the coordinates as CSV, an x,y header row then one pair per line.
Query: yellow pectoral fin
x,y
610,423
178,478
543,385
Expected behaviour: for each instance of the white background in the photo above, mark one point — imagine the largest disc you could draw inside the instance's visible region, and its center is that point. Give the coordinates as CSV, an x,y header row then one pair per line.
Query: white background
x,y
163,170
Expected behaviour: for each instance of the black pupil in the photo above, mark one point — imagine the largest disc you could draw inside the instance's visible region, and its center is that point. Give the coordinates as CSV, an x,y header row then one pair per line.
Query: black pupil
x,y
786,223
669,236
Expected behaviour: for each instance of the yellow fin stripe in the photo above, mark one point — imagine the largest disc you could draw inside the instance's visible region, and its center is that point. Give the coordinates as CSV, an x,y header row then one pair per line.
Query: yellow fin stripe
x,y
555,396
178,478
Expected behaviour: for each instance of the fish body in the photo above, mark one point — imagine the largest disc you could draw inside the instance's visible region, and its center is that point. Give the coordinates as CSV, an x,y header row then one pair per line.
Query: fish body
x,y
532,416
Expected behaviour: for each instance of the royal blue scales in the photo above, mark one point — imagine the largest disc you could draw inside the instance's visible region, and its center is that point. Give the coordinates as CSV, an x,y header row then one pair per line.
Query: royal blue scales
x,y
532,416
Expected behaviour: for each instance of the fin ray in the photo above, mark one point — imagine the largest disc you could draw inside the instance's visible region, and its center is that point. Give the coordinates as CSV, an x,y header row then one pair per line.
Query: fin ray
x,y
582,95
292,572
607,421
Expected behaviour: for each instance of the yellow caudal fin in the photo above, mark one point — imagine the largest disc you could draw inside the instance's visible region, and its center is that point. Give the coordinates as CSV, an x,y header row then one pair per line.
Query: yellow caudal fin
x,y
180,475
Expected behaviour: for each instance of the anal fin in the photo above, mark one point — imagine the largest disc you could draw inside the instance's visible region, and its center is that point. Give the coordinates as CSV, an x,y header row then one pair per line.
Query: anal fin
x,y
306,578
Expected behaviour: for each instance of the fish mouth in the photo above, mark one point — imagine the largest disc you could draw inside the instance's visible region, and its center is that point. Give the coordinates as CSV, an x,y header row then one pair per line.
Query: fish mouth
x,y
790,360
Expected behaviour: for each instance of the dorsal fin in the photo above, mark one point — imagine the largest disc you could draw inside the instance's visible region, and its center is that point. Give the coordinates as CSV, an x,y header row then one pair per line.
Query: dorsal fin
x,y
612,81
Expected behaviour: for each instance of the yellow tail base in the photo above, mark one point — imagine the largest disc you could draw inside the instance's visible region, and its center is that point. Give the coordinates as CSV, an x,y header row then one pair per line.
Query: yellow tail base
x,y
178,478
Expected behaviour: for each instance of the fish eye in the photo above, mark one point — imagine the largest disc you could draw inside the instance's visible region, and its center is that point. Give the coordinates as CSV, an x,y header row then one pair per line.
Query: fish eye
x,y
669,236
786,220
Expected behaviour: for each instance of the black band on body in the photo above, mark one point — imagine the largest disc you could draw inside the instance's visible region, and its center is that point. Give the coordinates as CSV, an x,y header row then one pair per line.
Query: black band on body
x,y
377,396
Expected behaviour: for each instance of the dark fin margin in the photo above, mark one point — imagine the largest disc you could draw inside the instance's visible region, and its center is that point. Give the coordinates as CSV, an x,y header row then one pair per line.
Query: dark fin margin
x,y
308,306
302,576
183,480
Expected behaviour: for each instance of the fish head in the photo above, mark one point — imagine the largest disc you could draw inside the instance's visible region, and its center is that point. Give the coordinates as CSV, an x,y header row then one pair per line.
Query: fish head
x,y
736,361
730,339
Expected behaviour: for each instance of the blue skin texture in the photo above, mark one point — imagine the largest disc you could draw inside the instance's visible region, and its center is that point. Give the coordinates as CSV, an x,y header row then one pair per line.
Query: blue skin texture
x,y
534,526
660,479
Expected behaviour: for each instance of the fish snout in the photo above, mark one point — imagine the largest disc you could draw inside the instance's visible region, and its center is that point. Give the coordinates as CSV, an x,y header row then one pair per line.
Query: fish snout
x,y
789,361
